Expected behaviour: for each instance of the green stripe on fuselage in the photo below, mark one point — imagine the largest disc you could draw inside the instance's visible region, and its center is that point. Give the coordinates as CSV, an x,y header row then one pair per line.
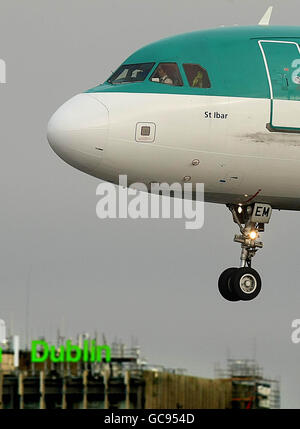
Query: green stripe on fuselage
x,y
231,57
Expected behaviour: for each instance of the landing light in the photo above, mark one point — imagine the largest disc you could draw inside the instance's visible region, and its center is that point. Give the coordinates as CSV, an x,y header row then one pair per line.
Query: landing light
x,y
253,235
240,209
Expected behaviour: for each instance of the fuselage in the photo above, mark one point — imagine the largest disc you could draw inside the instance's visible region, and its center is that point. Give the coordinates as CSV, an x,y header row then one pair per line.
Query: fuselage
x,y
230,118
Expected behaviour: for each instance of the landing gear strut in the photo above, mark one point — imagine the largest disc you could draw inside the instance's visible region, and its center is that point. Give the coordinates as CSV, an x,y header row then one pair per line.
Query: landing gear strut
x,y
244,283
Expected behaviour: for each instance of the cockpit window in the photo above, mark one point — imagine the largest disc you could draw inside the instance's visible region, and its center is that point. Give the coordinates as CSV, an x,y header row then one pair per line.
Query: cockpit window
x,y
167,73
131,73
197,76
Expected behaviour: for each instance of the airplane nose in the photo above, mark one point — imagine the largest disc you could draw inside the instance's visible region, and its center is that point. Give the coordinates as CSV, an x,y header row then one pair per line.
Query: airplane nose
x,y
78,130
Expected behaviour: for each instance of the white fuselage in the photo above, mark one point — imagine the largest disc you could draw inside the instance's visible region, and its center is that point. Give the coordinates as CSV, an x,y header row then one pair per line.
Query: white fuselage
x,y
238,158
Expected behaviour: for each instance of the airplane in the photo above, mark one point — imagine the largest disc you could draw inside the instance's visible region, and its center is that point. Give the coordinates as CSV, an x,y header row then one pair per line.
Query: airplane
x,y
218,106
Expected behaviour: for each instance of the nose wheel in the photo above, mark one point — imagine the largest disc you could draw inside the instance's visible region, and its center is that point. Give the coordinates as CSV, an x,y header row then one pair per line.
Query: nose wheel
x,y
225,284
244,283
237,284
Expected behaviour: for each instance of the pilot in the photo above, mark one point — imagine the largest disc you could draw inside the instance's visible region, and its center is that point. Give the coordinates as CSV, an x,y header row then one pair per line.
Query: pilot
x,y
163,77
198,80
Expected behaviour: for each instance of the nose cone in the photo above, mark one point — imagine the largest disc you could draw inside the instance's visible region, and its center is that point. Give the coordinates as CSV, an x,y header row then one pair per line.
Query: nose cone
x,y
78,131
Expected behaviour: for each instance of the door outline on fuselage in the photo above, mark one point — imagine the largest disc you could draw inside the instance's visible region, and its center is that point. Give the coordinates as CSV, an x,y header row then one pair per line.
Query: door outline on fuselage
x,y
269,125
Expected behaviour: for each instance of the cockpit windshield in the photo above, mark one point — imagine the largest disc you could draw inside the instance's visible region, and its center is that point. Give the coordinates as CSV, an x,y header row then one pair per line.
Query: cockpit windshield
x,y
128,73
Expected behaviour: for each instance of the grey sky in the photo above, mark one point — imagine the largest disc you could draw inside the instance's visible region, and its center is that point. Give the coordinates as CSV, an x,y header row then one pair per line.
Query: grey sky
x,y
153,280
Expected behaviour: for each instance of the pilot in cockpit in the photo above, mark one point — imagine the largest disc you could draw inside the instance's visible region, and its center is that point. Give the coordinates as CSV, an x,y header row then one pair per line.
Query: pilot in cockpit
x,y
163,77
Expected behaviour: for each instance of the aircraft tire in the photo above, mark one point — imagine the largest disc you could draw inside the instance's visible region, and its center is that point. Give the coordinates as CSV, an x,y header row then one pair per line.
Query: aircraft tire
x,y
225,284
246,283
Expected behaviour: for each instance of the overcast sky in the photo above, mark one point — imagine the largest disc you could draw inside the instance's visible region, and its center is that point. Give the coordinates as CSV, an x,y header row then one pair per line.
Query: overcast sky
x,y
149,279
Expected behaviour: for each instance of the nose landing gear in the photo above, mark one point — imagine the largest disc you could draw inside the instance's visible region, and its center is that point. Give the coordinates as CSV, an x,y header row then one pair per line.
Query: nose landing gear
x,y
244,283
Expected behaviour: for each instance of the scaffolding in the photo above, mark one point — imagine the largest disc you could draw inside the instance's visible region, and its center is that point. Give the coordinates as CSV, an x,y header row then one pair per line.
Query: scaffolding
x,y
250,389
